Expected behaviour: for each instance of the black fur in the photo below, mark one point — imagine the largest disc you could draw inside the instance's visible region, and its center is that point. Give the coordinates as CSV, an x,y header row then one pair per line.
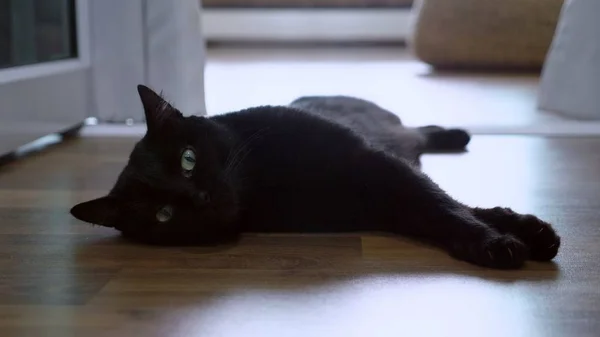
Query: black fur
x,y
321,164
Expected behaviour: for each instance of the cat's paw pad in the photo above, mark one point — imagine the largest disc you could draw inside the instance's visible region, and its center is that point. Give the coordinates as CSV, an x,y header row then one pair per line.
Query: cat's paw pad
x,y
505,252
538,235
498,251
541,238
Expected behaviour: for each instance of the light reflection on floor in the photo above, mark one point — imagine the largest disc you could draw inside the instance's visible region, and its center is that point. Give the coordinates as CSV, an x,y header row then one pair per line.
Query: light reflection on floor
x,y
375,306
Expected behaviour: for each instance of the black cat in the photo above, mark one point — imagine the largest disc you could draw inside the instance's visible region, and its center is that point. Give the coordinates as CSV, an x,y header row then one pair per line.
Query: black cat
x,y
321,164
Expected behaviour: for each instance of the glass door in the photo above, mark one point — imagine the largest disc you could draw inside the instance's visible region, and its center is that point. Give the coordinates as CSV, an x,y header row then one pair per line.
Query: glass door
x,y
35,31
44,65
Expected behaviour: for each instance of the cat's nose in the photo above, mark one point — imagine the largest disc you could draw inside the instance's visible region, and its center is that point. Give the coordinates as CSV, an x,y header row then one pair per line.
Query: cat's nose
x,y
201,198
186,193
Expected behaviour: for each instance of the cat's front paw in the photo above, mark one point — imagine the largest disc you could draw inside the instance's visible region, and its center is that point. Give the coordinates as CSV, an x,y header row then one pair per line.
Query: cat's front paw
x,y
498,251
540,237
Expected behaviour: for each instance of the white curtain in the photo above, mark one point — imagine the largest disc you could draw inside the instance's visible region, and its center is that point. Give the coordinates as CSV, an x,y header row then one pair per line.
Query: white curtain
x,y
154,42
570,82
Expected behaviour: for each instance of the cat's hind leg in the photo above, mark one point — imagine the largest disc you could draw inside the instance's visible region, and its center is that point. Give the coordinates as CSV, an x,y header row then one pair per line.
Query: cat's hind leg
x,y
439,139
539,236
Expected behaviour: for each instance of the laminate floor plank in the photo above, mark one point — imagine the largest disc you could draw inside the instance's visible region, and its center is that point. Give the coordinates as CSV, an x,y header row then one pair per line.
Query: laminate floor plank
x,y
60,277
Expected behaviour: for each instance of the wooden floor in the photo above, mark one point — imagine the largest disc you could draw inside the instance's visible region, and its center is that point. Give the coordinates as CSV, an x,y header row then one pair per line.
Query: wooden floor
x,y
59,277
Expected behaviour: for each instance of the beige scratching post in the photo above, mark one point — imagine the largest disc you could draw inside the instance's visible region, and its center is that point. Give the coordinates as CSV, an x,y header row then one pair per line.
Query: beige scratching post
x,y
506,34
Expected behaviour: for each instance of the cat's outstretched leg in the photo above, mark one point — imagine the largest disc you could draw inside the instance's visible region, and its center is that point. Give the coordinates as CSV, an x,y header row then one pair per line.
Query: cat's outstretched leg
x,y
439,139
539,236
413,205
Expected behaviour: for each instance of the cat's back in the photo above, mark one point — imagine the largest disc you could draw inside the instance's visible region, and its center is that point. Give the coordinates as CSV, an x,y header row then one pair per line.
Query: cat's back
x,y
284,137
348,110
307,124
283,121
379,127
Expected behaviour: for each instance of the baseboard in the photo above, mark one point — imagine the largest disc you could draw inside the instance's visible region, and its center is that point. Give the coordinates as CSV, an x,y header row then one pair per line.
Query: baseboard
x,y
551,129
566,128
306,25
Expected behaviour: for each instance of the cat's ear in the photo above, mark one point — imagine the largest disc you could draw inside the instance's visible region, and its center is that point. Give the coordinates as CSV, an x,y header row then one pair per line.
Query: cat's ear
x,y
156,109
101,211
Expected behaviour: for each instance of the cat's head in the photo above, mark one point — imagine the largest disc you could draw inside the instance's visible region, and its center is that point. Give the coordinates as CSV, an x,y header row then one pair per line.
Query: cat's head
x,y
174,188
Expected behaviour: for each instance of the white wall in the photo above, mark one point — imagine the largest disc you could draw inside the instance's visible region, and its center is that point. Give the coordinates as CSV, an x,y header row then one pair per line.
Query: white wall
x,y
570,83
388,25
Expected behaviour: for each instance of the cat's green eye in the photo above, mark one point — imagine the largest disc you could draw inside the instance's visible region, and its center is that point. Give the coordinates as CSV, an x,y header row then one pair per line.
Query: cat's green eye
x,y
188,161
164,214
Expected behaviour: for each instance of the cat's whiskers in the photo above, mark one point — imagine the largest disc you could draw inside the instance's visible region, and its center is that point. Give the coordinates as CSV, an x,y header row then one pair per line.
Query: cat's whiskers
x,y
241,153
245,148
